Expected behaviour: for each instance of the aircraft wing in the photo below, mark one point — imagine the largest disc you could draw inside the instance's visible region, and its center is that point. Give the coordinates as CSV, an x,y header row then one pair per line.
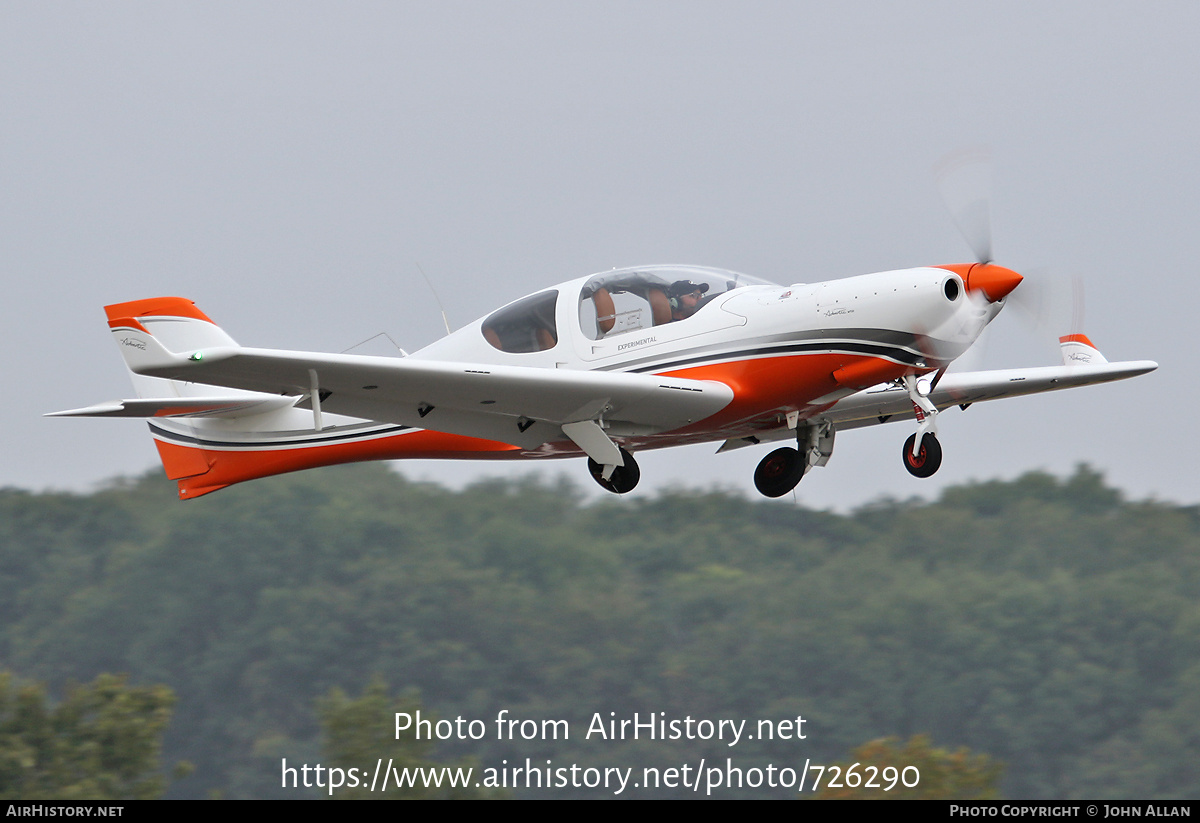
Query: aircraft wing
x,y
878,404
521,405
889,402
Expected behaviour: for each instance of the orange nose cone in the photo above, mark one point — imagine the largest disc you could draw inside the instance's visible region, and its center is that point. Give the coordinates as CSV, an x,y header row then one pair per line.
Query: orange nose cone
x,y
994,281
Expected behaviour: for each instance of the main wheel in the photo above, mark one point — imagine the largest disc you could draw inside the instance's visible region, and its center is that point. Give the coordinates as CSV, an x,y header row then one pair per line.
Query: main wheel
x,y
926,461
779,472
623,478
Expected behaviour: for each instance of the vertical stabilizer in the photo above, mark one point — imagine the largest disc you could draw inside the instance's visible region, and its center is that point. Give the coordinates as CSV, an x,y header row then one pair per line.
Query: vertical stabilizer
x,y
174,323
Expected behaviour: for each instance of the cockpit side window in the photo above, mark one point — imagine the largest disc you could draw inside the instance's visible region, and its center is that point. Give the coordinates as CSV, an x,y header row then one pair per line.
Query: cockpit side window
x,y
621,303
525,326
625,301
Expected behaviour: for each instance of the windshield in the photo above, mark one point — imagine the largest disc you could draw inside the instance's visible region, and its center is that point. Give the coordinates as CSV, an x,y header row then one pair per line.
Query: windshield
x,y
626,300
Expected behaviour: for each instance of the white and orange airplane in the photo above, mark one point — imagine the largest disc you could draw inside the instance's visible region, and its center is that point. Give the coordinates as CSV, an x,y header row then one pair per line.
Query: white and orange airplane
x,y
603,366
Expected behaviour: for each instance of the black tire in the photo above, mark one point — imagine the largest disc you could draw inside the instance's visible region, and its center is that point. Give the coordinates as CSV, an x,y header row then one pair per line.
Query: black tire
x,y
623,478
779,472
928,460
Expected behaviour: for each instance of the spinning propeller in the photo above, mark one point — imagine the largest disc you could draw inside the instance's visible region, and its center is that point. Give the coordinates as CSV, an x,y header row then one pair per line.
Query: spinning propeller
x,y
965,182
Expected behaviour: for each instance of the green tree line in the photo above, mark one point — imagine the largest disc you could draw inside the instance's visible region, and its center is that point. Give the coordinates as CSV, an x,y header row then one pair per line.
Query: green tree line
x,y
1045,622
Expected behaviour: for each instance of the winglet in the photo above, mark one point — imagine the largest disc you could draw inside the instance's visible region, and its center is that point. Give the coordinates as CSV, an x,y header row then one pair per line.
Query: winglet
x,y
1078,350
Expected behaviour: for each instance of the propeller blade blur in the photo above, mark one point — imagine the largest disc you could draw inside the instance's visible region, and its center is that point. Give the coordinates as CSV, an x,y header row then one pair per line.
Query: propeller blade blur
x,y
964,180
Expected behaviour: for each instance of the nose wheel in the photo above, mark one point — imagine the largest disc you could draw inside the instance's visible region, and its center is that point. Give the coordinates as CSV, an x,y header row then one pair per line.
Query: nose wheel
x,y
779,472
927,459
623,477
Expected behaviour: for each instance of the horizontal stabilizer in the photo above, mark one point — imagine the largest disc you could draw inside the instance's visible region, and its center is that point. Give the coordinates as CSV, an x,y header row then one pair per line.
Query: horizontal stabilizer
x,y
181,407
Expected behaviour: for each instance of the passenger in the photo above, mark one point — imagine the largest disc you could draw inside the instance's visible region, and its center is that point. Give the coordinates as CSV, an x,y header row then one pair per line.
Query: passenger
x,y
685,297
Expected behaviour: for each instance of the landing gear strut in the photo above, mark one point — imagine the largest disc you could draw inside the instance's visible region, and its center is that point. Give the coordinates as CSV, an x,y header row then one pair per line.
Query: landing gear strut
x,y
779,472
927,459
623,477
923,460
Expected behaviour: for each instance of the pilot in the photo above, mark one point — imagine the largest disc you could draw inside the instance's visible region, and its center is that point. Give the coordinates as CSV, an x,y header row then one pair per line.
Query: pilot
x,y
685,297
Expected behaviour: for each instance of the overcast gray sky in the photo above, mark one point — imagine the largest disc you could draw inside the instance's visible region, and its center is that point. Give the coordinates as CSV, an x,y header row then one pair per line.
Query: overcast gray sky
x,y
287,165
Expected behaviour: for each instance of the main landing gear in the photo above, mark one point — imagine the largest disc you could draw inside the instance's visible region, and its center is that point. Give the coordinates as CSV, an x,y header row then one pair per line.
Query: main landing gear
x,y
779,472
623,477
782,469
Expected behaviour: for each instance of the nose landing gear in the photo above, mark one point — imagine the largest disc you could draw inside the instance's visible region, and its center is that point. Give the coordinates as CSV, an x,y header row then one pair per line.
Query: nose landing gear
x,y
926,460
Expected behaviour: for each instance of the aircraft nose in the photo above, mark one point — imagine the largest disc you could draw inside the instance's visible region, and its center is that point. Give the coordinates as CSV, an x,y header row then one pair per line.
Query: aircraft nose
x,y
994,281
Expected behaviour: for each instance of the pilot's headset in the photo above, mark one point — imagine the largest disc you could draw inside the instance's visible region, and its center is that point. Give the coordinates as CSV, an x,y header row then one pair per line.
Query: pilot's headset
x,y
682,287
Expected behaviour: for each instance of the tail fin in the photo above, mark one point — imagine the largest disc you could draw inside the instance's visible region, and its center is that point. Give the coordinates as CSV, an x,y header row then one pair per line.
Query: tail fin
x,y
149,329
210,437
1077,350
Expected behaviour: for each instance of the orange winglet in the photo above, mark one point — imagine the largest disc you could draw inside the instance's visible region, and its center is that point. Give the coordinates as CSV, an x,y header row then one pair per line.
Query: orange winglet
x,y
1076,338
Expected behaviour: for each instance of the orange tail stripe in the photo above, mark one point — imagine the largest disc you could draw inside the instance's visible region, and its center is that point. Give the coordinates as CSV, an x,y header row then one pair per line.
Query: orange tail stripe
x,y
126,323
156,307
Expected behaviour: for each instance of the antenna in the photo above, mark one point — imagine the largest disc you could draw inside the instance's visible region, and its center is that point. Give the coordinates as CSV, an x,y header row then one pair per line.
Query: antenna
x,y
429,283
372,337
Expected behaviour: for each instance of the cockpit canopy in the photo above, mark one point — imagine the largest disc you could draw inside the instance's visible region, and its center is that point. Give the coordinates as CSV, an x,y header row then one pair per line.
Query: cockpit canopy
x,y
613,303
627,300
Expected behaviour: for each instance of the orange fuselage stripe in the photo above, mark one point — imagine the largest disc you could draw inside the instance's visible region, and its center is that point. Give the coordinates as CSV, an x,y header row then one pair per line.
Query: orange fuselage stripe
x,y
767,386
200,471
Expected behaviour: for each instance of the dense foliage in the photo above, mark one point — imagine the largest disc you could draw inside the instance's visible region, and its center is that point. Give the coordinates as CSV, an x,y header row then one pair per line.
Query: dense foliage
x,y
1044,622
101,742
